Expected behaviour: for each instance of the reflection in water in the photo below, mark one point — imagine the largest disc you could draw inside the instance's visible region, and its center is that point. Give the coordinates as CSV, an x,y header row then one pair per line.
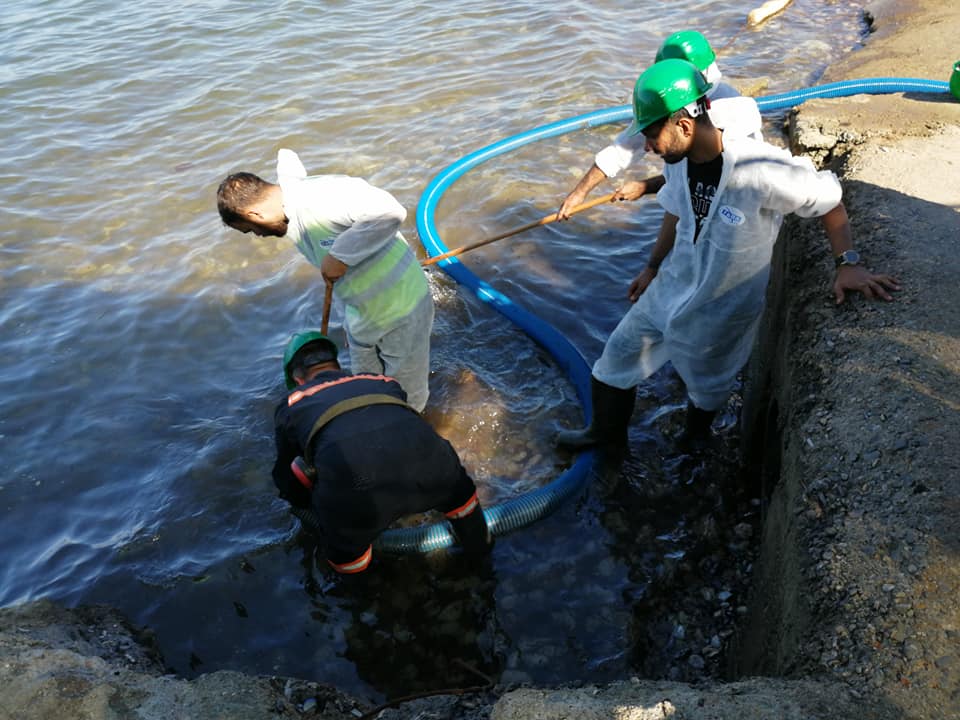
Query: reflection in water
x,y
418,625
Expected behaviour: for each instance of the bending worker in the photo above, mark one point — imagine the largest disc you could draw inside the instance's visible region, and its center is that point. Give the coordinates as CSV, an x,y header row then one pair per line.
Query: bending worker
x,y
350,230
352,449
699,301
728,111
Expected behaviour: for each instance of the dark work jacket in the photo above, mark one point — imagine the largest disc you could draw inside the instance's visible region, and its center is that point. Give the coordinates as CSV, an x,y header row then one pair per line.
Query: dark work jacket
x,y
295,416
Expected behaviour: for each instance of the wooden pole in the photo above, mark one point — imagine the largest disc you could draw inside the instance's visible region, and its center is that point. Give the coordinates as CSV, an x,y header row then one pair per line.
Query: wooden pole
x,y
536,223
327,301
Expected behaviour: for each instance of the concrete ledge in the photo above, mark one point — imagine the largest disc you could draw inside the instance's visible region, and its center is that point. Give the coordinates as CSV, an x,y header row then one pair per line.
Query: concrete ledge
x,y
757,699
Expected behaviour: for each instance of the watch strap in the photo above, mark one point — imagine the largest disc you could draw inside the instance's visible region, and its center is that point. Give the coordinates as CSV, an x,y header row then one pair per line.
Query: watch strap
x,y
847,257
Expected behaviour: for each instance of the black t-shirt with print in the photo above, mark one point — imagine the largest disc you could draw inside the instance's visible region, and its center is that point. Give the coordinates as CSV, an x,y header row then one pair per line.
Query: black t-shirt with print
x,y
703,179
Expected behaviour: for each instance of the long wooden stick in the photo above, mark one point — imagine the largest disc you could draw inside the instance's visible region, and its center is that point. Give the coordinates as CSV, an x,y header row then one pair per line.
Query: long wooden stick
x,y
327,301
536,223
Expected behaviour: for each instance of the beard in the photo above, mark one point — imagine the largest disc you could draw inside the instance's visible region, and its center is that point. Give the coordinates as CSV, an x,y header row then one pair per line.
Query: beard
x,y
277,228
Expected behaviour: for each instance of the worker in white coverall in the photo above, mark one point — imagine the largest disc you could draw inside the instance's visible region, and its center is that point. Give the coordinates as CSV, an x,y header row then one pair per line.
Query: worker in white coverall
x,y
729,111
699,301
351,231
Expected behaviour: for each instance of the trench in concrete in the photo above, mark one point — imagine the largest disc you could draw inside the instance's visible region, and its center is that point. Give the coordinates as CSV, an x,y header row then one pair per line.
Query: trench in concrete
x,y
773,629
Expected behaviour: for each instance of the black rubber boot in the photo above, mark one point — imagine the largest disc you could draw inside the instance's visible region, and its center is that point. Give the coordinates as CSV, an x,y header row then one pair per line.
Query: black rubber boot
x,y
612,409
696,434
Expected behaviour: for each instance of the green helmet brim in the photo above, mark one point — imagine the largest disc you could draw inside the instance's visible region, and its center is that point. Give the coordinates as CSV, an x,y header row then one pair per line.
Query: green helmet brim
x,y
297,343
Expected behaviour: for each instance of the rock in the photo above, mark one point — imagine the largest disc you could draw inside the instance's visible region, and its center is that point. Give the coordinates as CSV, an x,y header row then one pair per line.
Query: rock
x,y
91,662
649,700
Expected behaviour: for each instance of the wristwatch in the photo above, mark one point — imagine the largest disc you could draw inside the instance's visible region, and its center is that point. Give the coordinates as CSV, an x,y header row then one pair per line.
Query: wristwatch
x,y
847,257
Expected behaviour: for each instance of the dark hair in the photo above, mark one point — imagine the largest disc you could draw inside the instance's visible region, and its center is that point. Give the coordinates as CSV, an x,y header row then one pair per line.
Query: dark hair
x,y
238,192
313,353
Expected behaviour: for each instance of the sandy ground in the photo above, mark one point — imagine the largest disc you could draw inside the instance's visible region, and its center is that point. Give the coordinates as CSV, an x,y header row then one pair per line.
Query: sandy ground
x,y
850,420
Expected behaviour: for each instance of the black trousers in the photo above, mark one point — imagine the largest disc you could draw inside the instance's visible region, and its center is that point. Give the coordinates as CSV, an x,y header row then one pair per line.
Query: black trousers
x,y
369,479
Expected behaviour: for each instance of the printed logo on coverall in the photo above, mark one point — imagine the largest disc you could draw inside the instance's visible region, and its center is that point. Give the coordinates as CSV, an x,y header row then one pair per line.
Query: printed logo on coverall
x,y
731,215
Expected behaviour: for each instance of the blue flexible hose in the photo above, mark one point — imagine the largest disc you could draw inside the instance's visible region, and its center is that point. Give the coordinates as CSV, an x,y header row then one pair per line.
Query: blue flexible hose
x,y
526,509
845,88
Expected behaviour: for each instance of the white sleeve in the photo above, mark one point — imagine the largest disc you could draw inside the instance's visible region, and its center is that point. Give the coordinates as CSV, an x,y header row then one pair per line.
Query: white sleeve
x,y
794,185
617,157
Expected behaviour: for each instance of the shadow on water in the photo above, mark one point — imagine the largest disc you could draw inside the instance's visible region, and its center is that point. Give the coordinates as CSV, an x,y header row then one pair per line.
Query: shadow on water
x,y
421,623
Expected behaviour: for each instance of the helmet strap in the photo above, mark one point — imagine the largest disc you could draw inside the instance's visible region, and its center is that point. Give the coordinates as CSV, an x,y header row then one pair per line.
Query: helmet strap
x,y
697,107
712,73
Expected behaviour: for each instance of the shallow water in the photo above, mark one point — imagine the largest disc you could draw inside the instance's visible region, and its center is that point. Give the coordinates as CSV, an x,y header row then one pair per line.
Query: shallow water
x,y
142,339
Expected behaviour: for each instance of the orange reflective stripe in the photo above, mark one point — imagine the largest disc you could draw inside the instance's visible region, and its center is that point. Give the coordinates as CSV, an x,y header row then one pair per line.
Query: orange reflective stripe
x,y
354,566
298,395
468,507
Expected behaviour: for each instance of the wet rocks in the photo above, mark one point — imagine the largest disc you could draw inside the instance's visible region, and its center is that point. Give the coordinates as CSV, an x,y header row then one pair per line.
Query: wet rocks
x,y
91,662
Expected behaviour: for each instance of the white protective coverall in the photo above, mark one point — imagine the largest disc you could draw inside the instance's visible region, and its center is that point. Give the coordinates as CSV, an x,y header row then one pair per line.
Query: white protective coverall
x,y
729,111
388,306
702,310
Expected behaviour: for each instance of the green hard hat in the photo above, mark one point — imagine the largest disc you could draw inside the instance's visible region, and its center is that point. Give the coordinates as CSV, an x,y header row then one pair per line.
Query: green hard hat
x,y
687,45
664,88
298,341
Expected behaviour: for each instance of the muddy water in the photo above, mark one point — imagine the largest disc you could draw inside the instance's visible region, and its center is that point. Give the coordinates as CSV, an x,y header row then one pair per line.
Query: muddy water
x,y
141,339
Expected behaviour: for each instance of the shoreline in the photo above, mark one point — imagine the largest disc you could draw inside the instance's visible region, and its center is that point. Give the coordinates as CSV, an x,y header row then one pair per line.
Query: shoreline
x,y
854,612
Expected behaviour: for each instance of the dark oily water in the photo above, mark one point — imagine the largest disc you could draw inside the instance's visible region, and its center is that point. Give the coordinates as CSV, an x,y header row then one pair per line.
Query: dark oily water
x,y
142,339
